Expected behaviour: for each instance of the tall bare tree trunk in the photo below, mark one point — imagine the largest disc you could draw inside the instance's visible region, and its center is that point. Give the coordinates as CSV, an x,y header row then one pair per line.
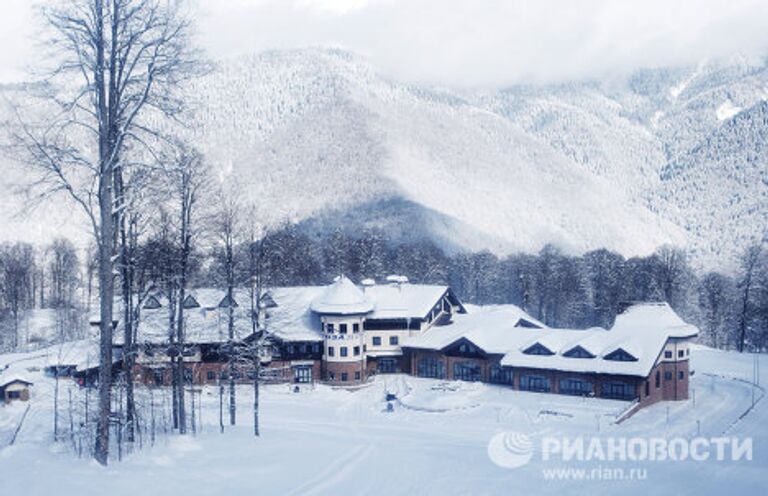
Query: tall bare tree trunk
x,y
106,292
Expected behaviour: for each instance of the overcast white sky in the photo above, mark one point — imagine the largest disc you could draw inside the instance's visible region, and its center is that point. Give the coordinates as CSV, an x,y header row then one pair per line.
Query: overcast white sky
x,y
463,42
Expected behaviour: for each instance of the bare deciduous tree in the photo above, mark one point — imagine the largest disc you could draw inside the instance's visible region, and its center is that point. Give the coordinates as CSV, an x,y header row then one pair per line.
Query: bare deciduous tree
x,y
186,178
117,63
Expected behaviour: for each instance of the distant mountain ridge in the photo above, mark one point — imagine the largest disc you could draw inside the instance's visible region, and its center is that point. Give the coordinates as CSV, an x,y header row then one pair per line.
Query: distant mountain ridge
x,y
671,155
582,165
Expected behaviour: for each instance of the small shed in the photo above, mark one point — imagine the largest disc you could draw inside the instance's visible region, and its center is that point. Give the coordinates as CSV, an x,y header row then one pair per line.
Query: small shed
x,y
14,389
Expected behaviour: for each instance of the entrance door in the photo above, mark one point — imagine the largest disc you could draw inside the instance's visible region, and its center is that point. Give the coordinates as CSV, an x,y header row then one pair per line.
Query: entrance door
x,y
302,374
388,366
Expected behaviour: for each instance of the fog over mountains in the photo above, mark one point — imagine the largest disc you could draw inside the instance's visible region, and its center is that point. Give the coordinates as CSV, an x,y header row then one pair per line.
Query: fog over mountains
x,y
319,137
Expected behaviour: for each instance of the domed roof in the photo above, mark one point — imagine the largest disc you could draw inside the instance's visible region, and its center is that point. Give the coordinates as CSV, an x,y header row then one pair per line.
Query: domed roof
x,y
342,298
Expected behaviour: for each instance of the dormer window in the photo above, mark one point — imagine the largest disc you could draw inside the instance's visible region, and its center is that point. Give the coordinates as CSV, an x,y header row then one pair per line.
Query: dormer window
x,y
578,352
620,355
267,301
226,302
191,302
538,349
152,303
527,324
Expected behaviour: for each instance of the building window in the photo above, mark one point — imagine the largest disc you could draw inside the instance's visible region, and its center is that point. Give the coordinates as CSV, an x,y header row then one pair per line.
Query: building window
x,y
343,351
467,348
14,395
393,340
578,352
329,328
680,353
377,341
302,374
500,375
658,379
667,354
467,371
576,387
681,375
387,365
344,377
667,376
432,368
357,375
355,327
331,376
316,348
342,328
331,351
647,388
534,383
211,375
291,349
618,390
302,348
356,350
159,376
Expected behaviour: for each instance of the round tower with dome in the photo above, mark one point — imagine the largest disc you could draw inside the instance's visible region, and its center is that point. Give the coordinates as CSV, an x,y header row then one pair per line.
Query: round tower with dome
x,y
342,309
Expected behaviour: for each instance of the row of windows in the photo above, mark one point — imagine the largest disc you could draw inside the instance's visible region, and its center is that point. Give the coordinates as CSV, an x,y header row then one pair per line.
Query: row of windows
x,y
500,375
470,371
303,348
393,341
680,353
667,377
431,368
158,375
343,351
344,376
330,328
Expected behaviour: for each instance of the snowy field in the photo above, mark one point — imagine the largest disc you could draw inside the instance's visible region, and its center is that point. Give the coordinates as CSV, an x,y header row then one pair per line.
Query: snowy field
x,y
334,441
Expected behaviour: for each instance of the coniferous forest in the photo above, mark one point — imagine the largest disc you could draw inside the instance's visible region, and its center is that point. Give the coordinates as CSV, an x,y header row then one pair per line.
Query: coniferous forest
x,y
562,290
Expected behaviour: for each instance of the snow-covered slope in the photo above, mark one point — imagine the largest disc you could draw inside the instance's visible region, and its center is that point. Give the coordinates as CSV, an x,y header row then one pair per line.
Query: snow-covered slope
x,y
323,138
319,133
319,137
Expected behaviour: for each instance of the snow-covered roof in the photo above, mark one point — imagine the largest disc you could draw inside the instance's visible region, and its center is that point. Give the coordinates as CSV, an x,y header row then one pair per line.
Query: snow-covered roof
x,y
291,319
642,331
207,323
5,381
292,312
342,298
403,300
493,329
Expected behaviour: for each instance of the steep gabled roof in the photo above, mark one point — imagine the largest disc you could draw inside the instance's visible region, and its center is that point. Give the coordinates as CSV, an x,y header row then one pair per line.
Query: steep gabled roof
x,y
405,300
7,381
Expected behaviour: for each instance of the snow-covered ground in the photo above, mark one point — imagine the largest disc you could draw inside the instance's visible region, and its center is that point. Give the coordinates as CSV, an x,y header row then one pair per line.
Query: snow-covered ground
x,y
333,441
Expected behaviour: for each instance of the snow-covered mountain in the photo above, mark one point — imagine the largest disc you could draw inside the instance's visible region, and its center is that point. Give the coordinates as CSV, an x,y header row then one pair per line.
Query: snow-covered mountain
x,y
626,164
674,155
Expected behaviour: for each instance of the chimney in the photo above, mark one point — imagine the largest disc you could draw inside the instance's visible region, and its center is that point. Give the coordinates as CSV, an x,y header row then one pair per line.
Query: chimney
x,y
367,283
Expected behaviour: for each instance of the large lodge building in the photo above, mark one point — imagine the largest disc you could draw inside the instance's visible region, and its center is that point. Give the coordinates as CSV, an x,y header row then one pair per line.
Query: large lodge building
x,y
343,334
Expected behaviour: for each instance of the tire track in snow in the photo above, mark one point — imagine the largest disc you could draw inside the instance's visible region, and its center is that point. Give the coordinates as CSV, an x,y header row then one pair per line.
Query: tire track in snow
x,y
335,473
